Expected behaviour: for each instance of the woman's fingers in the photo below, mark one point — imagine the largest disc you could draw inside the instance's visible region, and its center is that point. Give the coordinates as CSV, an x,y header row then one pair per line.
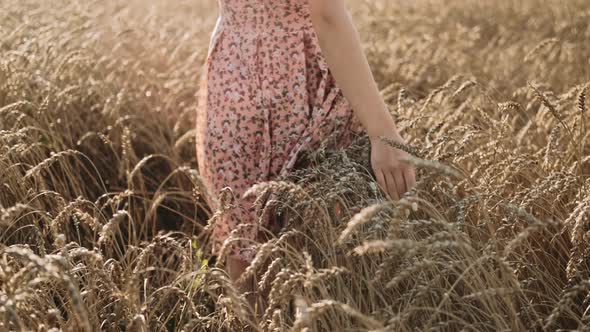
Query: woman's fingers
x,y
391,186
384,183
395,182
398,175
380,179
410,177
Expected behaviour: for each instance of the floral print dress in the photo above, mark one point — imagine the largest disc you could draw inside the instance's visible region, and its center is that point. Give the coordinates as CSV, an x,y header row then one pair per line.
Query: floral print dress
x,y
265,95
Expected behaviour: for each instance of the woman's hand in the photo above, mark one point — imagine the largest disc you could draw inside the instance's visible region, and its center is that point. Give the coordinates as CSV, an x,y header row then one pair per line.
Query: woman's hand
x,y
394,176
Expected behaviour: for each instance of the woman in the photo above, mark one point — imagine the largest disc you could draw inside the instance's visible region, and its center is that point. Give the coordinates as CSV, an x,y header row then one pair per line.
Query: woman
x,y
280,76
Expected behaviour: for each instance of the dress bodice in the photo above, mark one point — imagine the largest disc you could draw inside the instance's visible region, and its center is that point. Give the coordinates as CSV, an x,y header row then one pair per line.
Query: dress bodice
x,y
265,16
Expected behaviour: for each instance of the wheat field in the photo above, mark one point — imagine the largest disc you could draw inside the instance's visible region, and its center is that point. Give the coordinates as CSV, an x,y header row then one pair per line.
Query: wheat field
x,y
103,224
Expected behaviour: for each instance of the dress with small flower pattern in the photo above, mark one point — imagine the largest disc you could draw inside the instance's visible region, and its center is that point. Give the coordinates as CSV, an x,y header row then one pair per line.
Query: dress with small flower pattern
x,y
265,95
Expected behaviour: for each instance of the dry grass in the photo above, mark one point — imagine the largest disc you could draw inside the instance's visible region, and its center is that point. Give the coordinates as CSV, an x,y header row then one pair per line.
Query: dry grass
x,y
102,216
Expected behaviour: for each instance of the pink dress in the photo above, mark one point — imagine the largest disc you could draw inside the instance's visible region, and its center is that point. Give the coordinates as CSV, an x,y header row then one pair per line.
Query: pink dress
x,y
266,94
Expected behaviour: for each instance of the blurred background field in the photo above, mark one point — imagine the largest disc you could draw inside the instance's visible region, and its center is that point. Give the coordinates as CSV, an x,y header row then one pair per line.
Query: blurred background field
x,y
102,217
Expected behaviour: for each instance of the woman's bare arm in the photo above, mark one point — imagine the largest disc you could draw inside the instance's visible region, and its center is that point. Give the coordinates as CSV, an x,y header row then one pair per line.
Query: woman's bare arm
x,y
340,44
